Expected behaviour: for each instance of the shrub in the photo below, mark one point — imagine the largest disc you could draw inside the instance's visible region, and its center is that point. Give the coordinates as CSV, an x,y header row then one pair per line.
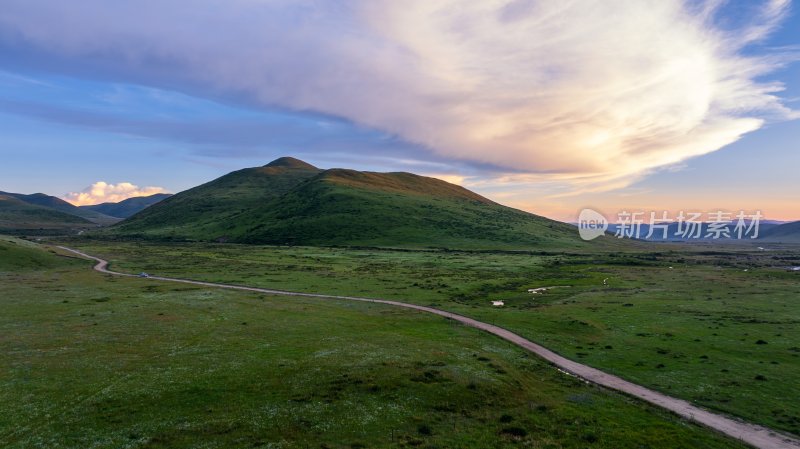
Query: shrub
x,y
506,419
515,431
424,429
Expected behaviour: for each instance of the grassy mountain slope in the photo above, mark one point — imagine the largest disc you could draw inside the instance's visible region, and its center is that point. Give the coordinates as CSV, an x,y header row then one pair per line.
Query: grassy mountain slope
x,y
128,207
290,202
17,255
788,232
199,213
17,216
57,204
345,207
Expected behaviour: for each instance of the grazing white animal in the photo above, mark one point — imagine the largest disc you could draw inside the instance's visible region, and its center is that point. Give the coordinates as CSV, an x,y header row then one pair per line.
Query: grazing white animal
x,y
605,281
498,303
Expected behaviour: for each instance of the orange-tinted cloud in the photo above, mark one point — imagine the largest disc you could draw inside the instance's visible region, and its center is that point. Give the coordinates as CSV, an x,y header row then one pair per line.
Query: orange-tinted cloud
x,y
448,177
591,94
102,192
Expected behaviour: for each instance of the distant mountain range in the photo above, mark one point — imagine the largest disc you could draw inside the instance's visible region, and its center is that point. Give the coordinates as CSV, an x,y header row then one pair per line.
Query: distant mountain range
x,y
767,230
57,204
20,217
787,232
289,201
129,207
44,214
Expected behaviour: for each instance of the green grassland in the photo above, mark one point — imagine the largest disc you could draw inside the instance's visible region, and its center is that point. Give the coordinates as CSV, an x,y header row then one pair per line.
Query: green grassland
x,y
17,254
92,360
719,328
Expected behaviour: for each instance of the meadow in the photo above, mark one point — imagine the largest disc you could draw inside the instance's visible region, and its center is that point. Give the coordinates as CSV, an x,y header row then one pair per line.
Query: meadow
x,y
715,325
92,360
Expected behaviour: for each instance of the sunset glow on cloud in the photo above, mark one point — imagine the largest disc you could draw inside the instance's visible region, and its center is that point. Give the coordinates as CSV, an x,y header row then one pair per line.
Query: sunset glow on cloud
x,y
592,93
102,192
535,98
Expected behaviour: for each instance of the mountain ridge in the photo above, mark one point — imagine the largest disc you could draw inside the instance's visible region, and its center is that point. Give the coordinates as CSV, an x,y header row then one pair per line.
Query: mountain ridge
x,y
20,217
292,202
786,232
290,162
127,207
57,204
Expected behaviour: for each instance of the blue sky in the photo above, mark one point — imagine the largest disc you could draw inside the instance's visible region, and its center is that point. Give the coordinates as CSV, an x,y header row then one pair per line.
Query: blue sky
x,y
662,105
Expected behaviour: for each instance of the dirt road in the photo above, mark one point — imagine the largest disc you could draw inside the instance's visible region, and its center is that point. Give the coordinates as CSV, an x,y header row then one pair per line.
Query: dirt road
x,y
752,434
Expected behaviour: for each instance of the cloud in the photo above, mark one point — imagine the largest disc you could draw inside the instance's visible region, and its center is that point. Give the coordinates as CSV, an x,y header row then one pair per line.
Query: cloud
x,y
448,177
592,94
222,136
102,192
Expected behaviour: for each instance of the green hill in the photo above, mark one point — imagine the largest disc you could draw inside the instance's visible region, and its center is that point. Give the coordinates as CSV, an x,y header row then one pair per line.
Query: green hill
x,y
20,217
127,208
57,204
16,255
292,202
198,213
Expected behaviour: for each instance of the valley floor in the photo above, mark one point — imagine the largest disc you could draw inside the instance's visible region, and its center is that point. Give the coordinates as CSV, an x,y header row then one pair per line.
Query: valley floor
x,y
100,361
714,326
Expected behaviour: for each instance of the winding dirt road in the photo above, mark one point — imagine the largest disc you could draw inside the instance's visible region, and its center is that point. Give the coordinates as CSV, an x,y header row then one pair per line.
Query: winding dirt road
x,y
752,434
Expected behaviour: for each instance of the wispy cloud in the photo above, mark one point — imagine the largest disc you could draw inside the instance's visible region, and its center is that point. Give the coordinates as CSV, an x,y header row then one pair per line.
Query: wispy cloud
x,y
102,192
592,94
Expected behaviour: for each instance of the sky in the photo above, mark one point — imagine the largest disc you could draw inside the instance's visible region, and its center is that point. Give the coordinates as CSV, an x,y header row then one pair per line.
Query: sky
x,y
550,107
